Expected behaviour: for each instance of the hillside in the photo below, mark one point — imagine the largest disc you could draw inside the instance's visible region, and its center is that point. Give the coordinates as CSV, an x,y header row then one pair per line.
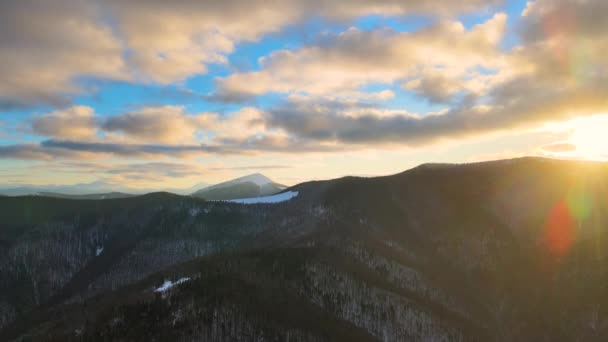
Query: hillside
x,y
499,251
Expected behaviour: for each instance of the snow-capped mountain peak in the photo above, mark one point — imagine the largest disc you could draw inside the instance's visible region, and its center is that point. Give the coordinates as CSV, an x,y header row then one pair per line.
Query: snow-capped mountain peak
x,y
256,178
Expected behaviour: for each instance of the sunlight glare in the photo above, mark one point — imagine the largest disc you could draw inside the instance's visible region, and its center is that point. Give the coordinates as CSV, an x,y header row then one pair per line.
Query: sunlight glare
x,y
588,134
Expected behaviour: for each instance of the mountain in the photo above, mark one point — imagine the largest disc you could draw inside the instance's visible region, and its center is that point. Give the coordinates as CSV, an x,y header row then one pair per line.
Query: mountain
x,y
254,185
256,178
498,251
94,190
179,191
108,195
75,189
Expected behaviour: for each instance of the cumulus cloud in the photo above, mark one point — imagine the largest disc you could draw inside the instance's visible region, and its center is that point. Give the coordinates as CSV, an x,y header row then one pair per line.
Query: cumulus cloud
x,y
546,78
45,47
562,18
172,40
77,122
155,125
564,40
172,125
164,124
522,102
437,89
556,72
354,58
165,131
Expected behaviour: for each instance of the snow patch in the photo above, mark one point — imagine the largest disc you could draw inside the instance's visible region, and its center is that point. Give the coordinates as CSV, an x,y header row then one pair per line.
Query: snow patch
x,y
283,197
98,251
194,212
169,284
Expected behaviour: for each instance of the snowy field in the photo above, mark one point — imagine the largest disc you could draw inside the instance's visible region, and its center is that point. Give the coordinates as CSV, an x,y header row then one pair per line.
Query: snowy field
x,y
282,197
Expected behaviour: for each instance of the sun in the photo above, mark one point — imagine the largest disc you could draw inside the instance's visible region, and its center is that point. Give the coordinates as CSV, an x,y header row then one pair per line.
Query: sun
x,y
588,136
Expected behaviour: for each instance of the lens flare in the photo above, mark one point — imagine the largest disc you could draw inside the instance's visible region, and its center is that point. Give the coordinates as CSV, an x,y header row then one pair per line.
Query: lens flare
x,y
579,203
564,218
559,229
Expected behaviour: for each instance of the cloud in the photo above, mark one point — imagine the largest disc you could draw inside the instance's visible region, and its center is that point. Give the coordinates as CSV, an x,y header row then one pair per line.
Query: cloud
x,y
325,107
564,41
564,18
163,124
559,147
125,176
172,40
166,131
160,125
242,124
155,169
354,58
87,150
46,47
171,125
163,169
77,122
546,78
519,103
128,150
437,89
39,152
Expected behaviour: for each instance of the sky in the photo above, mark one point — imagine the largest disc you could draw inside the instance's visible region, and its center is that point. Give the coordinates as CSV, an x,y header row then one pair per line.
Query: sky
x,y
169,94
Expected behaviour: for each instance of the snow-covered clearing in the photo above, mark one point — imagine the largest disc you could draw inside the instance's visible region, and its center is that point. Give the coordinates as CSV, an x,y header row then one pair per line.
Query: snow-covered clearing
x,y
282,197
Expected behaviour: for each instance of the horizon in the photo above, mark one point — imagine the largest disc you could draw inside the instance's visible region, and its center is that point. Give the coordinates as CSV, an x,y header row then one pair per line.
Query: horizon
x,y
203,185
170,95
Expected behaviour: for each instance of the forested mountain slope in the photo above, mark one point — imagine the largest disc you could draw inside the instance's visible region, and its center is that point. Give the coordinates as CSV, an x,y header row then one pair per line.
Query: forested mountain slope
x,y
507,251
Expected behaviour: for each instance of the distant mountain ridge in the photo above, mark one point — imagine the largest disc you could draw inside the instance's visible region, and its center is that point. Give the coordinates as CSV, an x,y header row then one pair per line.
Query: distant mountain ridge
x,y
107,195
86,189
97,187
253,185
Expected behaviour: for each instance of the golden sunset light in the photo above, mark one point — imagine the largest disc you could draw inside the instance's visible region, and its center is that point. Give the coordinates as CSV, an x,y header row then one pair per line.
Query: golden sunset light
x,y
304,170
